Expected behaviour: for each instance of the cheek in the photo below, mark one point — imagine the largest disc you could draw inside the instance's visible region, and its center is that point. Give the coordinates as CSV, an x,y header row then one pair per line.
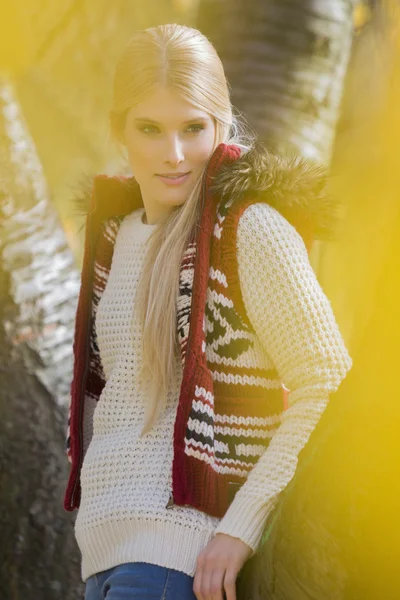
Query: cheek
x,y
204,147
141,157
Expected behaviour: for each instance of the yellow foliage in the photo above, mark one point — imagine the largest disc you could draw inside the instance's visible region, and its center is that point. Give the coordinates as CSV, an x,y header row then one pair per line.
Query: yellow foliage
x,y
16,40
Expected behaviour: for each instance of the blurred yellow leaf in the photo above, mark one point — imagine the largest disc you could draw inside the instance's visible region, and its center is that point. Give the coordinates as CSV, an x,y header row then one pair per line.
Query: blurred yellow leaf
x,y
16,41
361,15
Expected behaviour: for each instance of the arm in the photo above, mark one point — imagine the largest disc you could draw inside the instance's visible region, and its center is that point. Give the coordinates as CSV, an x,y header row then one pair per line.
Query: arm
x,y
295,323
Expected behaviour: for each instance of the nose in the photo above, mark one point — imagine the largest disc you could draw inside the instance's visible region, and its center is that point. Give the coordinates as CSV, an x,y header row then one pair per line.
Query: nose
x,y
174,151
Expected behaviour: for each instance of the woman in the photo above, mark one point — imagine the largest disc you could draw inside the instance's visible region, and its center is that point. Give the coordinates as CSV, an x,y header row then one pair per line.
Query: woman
x,y
198,311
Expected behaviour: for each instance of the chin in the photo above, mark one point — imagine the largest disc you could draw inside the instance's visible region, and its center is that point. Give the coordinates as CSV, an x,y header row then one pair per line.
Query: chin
x,y
174,201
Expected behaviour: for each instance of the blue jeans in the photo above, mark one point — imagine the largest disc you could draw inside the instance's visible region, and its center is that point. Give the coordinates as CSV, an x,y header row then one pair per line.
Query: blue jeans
x,y
140,581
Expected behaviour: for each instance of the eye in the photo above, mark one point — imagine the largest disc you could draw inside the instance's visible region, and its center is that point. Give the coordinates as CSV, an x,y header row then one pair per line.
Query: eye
x,y
148,129
195,128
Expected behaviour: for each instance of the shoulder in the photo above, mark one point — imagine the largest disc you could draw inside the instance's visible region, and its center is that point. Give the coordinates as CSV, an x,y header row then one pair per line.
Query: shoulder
x,y
263,226
262,214
273,263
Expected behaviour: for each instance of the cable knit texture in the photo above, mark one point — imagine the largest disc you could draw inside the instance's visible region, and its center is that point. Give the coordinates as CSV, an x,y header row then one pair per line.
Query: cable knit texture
x,y
126,481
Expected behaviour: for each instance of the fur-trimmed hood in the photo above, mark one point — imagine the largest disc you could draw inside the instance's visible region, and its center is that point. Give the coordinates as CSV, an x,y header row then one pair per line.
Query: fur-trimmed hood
x,y
295,186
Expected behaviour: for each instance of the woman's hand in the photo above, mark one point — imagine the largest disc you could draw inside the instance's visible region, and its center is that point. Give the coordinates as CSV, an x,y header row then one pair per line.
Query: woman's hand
x,y
218,566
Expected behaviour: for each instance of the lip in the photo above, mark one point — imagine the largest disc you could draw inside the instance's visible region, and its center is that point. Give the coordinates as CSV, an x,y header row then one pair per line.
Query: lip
x,y
176,180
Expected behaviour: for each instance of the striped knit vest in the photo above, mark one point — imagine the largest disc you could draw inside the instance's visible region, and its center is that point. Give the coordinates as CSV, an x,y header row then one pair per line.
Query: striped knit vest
x,y
231,398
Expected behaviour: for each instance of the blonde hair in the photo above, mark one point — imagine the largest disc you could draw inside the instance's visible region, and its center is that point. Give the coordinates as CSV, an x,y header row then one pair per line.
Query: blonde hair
x,y
182,59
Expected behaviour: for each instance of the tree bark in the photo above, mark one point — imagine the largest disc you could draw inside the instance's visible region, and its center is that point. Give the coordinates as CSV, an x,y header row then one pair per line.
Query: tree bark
x,y
38,291
286,62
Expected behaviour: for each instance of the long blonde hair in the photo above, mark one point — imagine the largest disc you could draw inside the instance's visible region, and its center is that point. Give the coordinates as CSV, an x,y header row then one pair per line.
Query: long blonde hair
x,y
182,59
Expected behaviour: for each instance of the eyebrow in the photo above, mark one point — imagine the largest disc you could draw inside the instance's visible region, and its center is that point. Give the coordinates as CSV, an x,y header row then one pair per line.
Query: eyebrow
x,y
195,120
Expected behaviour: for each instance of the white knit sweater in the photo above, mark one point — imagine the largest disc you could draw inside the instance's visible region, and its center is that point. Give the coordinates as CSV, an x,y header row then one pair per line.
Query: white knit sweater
x,y
126,481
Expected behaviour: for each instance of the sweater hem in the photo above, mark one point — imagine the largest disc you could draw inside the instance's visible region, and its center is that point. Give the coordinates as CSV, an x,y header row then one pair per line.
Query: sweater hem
x,y
162,543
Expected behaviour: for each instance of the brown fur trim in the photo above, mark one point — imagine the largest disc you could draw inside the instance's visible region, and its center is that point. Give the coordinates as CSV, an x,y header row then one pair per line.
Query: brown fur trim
x,y
289,184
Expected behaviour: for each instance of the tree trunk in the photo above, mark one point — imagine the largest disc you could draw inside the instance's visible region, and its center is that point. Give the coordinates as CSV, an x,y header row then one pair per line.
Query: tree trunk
x,y
38,288
286,61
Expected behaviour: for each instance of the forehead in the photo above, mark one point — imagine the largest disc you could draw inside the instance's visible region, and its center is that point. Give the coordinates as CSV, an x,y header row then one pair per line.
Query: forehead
x,y
167,107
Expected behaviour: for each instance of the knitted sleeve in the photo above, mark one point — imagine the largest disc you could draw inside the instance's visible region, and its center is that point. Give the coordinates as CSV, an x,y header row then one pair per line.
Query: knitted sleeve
x,y
295,323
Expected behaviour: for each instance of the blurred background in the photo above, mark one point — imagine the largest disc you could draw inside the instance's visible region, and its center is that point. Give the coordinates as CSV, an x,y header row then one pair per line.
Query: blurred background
x,y
318,78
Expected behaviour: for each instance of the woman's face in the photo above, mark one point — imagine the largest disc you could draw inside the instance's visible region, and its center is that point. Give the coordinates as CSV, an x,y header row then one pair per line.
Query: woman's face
x,y
169,142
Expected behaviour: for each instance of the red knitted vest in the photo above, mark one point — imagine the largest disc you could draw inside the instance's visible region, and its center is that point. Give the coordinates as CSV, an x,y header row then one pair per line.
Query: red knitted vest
x,y
224,405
